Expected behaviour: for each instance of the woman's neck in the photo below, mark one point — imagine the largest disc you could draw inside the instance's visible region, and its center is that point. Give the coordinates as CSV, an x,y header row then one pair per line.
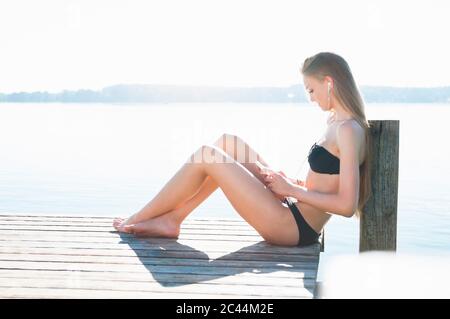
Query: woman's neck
x,y
340,115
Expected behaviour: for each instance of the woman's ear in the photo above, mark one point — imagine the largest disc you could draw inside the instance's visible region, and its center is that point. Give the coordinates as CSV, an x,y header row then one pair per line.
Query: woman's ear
x,y
330,82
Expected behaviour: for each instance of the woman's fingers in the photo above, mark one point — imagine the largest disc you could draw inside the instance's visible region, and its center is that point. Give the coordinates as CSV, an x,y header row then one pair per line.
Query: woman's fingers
x,y
262,168
282,173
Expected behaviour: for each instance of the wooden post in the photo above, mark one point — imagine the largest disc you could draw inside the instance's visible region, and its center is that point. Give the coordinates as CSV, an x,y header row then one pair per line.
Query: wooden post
x,y
378,223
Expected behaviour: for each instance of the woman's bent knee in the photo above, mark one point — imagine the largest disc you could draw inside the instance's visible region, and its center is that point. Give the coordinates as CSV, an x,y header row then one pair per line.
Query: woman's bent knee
x,y
228,143
228,137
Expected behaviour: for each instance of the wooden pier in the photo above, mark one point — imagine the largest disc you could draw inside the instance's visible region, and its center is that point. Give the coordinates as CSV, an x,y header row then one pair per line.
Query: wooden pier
x,y
84,257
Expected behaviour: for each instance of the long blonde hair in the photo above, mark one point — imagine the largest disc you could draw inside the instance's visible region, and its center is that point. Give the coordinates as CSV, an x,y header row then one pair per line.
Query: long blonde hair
x,y
347,93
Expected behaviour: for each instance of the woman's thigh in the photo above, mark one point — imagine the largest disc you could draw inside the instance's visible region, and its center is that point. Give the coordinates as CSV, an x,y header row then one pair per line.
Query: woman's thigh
x,y
252,200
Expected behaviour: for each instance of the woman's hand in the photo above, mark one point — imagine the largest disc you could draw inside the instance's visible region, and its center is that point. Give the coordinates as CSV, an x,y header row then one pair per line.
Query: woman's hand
x,y
297,182
294,181
266,172
278,183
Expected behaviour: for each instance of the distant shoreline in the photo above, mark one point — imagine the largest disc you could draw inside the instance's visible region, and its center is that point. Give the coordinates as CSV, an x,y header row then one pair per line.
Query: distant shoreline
x,y
202,94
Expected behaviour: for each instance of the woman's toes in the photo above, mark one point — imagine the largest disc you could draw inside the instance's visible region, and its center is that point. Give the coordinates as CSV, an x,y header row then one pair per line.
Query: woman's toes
x,y
119,224
118,221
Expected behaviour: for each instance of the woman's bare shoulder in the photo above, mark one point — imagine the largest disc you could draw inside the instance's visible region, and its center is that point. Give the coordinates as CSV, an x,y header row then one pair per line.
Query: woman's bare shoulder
x,y
353,125
351,131
353,128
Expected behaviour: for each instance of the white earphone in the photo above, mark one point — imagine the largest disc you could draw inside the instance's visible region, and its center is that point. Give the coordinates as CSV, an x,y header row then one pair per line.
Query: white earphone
x,y
329,87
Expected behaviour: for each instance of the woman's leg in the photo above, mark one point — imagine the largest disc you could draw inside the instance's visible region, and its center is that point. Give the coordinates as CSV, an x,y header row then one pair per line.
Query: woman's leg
x,y
236,148
182,186
240,151
168,224
250,198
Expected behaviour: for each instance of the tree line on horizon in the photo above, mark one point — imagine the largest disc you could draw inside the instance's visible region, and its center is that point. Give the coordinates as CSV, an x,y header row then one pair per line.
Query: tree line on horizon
x,y
189,94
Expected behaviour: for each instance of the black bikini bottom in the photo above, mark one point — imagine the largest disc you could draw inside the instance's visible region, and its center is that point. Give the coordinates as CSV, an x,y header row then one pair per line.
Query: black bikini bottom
x,y
307,235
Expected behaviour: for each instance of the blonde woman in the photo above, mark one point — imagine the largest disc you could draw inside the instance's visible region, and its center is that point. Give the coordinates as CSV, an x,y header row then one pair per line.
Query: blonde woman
x,y
284,211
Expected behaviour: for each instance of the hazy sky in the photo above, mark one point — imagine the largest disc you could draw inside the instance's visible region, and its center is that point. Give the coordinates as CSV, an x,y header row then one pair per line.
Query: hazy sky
x,y
67,44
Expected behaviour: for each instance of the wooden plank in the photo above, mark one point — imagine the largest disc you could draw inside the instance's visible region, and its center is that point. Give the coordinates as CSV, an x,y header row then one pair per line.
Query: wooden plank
x,y
126,240
183,243
107,236
243,256
108,226
190,218
166,279
223,289
7,221
194,246
164,244
115,234
212,270
158,261
196,221
96,230
43,293
252,278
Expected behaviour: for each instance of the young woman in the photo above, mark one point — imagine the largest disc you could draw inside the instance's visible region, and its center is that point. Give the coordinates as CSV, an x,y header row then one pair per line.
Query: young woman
x,y
283,211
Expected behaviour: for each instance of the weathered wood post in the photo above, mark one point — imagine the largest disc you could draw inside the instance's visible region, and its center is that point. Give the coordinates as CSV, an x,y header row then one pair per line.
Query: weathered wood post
x,y
378,223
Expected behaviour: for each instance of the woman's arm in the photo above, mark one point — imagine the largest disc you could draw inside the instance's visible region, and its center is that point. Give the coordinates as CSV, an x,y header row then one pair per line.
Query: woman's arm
x,y
265,171
332,203
345,201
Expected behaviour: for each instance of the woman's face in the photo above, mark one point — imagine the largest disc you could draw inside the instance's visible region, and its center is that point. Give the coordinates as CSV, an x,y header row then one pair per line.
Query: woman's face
x,y
317,91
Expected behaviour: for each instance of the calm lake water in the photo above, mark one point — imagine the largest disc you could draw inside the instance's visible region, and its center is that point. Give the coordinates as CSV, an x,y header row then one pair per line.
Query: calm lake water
x,y
109,160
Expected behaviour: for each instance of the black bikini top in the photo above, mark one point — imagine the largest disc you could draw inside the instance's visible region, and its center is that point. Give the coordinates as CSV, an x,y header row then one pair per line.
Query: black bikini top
x,y
322,161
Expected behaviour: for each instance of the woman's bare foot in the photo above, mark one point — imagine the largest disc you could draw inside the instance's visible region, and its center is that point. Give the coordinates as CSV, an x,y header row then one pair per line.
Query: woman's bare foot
x,y
121,223
161,226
